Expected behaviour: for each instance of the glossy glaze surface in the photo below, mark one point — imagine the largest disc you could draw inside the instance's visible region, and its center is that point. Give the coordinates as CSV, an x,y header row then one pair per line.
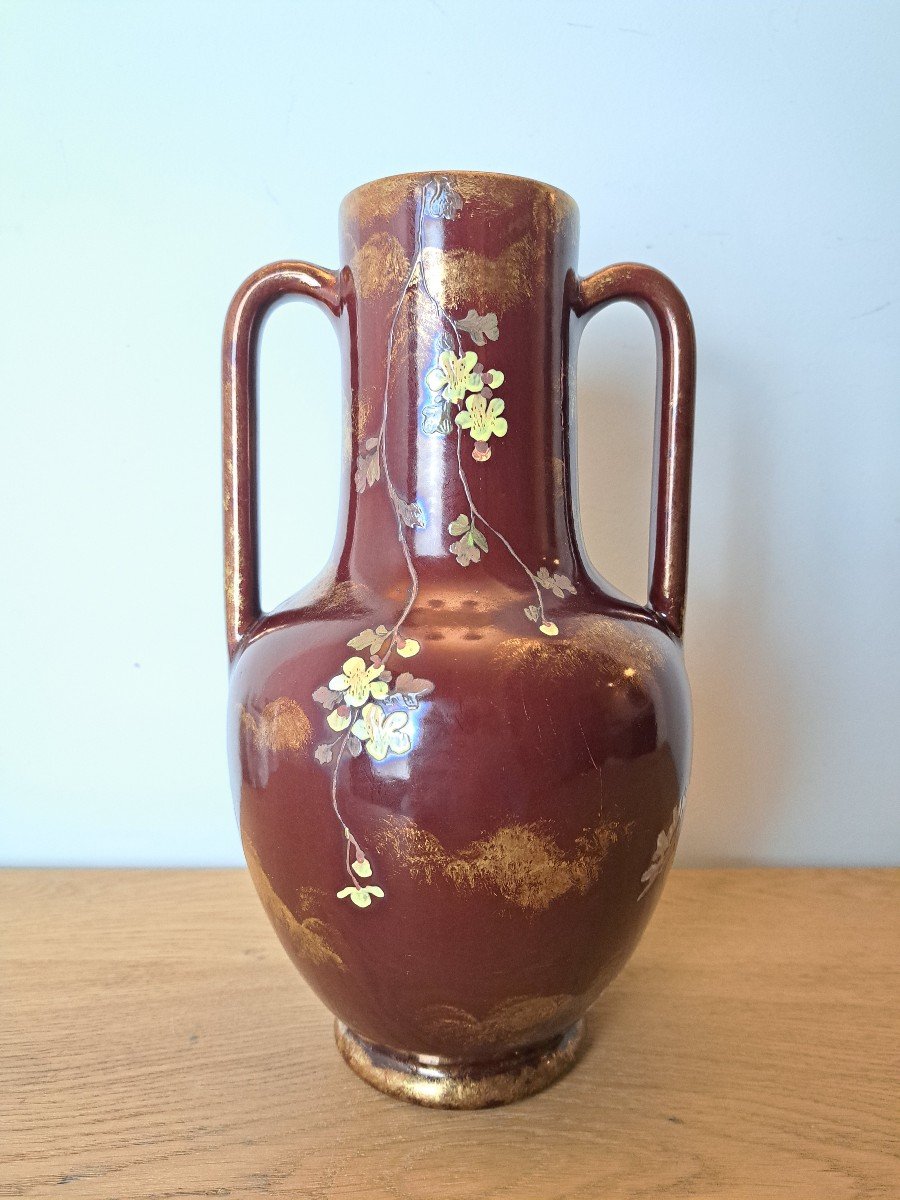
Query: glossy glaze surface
x,y
460,865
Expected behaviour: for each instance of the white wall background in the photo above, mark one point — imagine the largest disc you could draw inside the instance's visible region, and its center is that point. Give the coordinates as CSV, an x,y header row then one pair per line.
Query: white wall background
x,y
155,154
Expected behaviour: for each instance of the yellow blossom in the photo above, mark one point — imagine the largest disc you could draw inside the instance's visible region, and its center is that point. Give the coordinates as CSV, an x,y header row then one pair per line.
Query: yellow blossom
x,y
361,896
380,733
358,682
482,418
453,376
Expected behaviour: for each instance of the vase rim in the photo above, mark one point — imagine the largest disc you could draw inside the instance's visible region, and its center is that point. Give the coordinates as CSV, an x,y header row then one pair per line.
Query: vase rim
x,y
505,182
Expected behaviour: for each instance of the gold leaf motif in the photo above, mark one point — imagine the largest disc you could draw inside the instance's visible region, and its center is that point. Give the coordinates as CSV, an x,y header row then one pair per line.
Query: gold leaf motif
x,y
457,277
417,322
506,1021
282,725
558,467
597,646
379,265
379,199
521,863
366,405
341,596
308,936
492,194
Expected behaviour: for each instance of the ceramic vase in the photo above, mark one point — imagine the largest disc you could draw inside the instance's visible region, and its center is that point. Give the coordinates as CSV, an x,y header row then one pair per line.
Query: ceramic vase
x,y
460,756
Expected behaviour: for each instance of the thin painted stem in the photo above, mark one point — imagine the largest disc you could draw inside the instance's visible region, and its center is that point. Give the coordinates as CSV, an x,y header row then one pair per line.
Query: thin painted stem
x,y
442,313
475,512
351,840
396,500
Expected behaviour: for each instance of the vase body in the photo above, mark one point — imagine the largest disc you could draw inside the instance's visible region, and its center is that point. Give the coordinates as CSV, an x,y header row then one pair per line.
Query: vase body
x,y
459,756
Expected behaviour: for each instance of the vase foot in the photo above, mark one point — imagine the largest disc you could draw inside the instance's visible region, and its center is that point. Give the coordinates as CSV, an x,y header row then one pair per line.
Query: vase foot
x,y
445,1083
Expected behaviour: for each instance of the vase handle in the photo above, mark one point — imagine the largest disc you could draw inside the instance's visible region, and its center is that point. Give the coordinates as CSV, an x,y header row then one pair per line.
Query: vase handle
x,y
253,301
674,438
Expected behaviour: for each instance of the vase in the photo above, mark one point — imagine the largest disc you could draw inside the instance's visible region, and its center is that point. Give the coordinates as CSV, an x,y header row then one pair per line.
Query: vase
x,y
459,755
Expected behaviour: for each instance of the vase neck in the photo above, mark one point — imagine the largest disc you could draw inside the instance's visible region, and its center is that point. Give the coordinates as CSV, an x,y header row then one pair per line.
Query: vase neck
x,y
457,353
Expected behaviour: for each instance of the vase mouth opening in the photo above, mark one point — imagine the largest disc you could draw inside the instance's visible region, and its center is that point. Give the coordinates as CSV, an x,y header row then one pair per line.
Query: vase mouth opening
x,y
494,189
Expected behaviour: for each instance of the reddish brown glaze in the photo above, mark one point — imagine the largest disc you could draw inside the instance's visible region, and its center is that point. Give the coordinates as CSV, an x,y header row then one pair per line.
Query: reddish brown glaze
x,y
522,842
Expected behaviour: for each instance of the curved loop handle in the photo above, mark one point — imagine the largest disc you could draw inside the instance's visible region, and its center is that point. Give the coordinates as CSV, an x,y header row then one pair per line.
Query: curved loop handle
x,y
253,300
676,355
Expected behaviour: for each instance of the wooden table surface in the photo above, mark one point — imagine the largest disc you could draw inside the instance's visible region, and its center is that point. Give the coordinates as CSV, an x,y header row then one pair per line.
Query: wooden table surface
x,y
156,1042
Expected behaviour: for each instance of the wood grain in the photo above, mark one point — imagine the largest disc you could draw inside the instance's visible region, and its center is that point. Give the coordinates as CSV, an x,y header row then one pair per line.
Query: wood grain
x,y
156,1043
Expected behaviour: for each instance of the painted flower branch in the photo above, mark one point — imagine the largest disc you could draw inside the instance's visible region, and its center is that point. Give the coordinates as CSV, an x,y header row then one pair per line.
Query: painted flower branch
x,y
369,711
664,849
363,710
460,381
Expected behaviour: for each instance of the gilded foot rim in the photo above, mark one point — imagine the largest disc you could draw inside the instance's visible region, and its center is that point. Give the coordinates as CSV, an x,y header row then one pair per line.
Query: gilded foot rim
x,y
441,1083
